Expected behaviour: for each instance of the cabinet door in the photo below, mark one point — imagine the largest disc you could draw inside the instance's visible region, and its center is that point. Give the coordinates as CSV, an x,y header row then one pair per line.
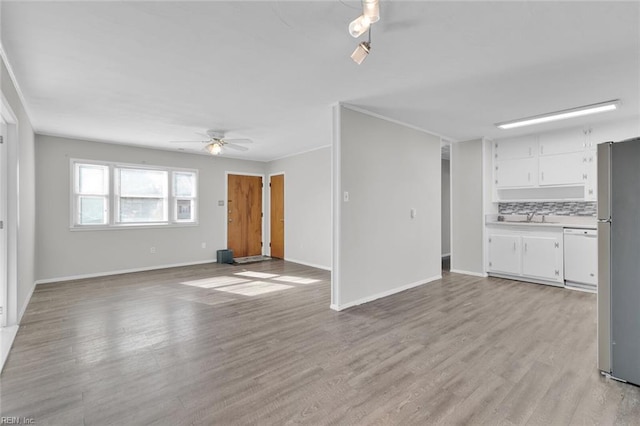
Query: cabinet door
x,y
510,149
516,173
562,169
562,142
542,257
591,174
504,254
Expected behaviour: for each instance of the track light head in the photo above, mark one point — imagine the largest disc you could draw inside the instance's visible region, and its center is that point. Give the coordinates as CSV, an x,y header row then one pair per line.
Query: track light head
x,y
359,26
361,52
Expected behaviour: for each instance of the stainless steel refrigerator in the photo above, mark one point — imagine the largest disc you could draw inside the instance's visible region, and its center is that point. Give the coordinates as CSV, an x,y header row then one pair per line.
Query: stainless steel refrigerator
x,y
619,259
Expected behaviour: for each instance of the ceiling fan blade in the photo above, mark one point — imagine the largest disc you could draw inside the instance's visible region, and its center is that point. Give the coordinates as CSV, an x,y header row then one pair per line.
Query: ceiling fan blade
x,y
188,141
238,140
236,147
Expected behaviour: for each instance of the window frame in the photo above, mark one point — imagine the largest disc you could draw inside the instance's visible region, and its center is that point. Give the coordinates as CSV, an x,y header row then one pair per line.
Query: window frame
x,y
113,197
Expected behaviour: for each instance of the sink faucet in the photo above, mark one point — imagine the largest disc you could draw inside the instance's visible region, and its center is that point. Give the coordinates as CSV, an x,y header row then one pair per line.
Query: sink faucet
x,y
530,216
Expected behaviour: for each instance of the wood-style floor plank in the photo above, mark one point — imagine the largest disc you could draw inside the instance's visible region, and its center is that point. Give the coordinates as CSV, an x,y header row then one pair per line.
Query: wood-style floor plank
x,y
258,344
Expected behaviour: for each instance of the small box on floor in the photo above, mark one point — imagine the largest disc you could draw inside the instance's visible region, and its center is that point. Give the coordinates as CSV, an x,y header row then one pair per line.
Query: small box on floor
x,y
224,256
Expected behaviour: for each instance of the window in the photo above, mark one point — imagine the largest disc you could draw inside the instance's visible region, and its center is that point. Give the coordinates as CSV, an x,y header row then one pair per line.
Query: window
x,y
91,190
115,195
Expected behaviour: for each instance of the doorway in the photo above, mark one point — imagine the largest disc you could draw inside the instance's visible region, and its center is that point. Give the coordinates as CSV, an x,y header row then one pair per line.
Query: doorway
x,y
446,205
244,215
276,187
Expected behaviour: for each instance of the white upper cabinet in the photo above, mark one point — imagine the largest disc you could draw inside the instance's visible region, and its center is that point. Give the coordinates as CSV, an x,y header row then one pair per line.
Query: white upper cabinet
x,y
563,142
517,173
515,148
562,169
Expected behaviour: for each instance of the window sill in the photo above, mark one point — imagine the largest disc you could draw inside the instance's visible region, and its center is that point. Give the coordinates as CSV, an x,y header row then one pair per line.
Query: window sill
x,y
136,226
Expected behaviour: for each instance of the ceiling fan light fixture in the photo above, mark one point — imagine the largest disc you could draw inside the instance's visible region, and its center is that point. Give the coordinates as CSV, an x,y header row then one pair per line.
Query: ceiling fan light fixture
x,y
361,52
214,148
359,26
371,10
560,115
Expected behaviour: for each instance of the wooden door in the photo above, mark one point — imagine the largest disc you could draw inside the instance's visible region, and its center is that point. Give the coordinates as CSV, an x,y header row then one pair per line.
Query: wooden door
x,y
277,216
244,219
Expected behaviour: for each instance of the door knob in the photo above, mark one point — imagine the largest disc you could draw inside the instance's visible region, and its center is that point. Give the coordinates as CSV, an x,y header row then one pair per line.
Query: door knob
x,y
229,220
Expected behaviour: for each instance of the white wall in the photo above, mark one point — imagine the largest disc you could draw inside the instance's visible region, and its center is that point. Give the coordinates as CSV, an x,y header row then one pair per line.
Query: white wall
x,y
467,216
387,169
24,185
64,253
446,209
307,205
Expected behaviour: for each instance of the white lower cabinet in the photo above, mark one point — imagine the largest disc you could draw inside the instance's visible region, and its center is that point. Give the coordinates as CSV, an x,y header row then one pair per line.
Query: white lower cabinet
x,y
504,253
525,253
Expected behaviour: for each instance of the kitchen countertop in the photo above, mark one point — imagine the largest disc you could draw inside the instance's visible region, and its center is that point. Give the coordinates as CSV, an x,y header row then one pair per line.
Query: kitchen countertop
x,y
579,222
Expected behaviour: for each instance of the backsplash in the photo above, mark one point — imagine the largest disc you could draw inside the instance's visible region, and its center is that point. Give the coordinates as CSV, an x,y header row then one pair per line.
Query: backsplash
x,y
556,208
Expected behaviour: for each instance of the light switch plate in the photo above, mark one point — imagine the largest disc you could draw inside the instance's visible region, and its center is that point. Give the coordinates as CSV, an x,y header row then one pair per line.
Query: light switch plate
x,y
221,202
414,213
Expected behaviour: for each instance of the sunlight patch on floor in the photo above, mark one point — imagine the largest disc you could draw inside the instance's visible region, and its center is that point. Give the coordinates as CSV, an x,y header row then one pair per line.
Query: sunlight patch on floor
x,y
215,282
252,274
295,280
254,288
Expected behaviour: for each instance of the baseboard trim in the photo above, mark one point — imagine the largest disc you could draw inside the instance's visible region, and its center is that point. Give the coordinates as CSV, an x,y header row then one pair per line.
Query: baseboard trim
x,y
313,265
121,271
474,274
7,336
384,294
26,303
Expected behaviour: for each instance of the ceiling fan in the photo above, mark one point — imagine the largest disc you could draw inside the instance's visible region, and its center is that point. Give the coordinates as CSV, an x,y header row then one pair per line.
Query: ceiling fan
x,y
217,141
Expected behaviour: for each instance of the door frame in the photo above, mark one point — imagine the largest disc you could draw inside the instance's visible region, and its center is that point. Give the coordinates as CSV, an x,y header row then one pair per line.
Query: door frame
x,y
284,194
10,316
226,205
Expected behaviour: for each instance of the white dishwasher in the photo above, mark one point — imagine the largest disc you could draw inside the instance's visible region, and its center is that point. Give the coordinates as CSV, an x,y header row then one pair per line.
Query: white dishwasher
x,y
581,258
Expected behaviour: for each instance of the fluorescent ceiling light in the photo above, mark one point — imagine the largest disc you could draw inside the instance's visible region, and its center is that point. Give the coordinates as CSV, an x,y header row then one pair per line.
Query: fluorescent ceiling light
x,y
561,115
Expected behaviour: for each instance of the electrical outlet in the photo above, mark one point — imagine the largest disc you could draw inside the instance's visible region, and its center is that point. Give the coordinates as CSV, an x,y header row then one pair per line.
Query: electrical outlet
x,y
152,250
204,245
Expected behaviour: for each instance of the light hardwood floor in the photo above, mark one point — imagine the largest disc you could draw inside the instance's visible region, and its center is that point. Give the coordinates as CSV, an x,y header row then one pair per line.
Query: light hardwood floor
x,y
203,345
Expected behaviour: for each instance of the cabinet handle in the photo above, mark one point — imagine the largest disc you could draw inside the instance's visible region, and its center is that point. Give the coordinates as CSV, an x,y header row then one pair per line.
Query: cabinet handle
x,y
591,192
514,246
529,151
529,177
541,175
584,160
541,149
525,247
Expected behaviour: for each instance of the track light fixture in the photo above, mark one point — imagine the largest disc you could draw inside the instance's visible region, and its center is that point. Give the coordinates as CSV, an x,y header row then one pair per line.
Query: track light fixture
x,y
370,15
362,24
362,50
358,26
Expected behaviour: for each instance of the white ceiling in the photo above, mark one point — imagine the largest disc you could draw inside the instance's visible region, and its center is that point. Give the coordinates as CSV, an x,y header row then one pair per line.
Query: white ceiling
x,y
145,73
